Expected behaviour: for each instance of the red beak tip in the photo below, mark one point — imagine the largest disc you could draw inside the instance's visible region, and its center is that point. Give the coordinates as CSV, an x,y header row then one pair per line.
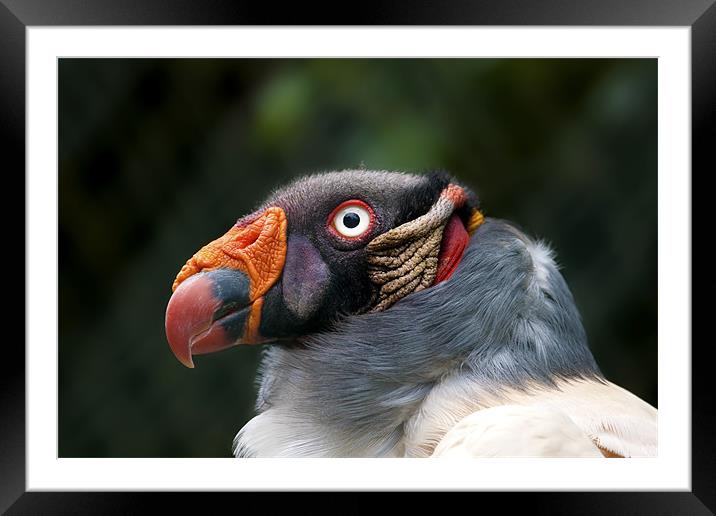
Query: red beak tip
x,y
188,313
187,361
184,357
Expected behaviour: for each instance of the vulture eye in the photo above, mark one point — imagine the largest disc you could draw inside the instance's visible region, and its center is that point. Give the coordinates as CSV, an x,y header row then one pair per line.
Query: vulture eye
x,y
351,219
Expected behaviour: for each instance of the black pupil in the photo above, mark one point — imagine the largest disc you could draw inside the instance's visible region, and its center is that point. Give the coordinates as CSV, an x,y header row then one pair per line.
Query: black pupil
x,y
351,220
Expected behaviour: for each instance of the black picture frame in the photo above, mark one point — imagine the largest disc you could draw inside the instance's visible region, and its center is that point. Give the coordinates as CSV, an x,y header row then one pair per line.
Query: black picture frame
x,y
17,15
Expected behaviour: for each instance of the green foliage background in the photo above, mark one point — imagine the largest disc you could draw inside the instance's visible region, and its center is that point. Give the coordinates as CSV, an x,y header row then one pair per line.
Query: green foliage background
x,y
159,156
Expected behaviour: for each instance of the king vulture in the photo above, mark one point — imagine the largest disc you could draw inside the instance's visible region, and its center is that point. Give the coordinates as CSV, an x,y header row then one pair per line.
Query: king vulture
x,y
401,322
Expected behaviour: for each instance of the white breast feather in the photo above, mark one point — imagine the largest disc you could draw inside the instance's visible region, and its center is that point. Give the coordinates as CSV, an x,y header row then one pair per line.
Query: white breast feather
x,y
612,418
516,431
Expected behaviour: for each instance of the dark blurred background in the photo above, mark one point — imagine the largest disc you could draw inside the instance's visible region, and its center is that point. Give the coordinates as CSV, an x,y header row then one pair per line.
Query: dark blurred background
x,y
159,156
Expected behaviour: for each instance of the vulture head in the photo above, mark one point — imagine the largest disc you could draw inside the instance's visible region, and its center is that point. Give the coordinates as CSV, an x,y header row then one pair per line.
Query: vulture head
x,y
376,293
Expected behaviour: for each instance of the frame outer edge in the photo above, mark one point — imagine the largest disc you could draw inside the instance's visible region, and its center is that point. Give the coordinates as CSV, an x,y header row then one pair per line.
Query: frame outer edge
x,y
12,86
12,136
382,12
703,127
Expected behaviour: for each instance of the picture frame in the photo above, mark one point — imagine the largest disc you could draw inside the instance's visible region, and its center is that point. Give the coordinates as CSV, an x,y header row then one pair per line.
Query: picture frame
x,y
16,16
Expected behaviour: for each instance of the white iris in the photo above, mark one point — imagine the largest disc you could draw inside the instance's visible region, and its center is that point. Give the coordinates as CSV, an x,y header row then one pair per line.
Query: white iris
x,y
345,221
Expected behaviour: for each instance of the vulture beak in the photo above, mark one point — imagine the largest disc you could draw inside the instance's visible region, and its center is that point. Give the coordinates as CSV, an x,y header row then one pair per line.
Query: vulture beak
x,y
218,294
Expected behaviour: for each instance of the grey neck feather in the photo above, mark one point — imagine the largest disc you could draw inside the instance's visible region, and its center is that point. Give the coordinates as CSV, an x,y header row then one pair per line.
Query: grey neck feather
x,y
505,319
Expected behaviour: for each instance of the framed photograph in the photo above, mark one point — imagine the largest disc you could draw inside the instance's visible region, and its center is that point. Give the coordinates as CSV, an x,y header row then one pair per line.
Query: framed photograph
x,y
450,250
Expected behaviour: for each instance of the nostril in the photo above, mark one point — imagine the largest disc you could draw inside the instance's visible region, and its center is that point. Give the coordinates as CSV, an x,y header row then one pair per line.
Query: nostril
x,y
242,237
250,229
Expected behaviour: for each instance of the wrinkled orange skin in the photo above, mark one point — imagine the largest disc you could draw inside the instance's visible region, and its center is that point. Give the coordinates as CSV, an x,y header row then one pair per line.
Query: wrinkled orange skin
x,y
258,249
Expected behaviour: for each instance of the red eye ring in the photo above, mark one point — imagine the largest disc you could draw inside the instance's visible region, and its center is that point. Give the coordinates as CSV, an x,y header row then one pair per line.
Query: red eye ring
x,y
365,228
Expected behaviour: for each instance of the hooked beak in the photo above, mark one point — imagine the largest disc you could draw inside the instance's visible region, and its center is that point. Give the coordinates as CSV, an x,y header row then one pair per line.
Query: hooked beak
x,y
218,294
